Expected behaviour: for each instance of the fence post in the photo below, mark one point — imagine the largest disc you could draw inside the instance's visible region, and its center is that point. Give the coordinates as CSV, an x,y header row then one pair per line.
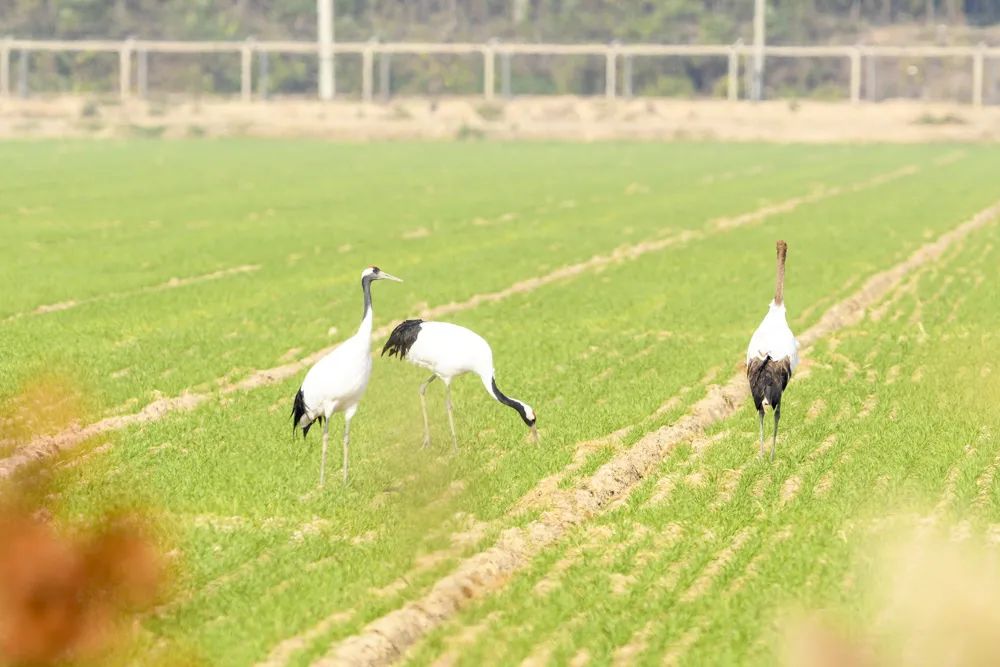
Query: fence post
x,y
246,69
384,85
368,71
125,68
142,72
5,67
733,82
977,75
759,38
22,73
505,75
611,70
489,70
871,74
627,75
325,10
856,75
263,71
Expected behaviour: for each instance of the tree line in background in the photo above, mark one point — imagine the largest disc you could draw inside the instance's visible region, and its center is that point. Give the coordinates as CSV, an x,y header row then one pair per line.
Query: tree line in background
x,y
790,21
627,21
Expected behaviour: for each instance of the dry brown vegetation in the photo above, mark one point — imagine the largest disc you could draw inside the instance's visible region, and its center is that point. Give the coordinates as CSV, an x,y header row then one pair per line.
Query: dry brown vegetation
x,y
570,118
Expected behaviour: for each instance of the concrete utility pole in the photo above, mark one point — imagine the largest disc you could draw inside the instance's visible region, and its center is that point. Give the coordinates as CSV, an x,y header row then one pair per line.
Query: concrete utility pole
x,y
324,30
757,82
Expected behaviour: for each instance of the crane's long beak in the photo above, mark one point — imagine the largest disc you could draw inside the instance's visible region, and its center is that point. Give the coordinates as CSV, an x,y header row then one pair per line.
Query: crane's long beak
x,y
389,276
534,434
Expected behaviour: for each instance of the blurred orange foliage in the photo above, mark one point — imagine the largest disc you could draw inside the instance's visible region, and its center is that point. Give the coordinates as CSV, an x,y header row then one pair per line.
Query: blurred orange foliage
x,y
61,596
67,593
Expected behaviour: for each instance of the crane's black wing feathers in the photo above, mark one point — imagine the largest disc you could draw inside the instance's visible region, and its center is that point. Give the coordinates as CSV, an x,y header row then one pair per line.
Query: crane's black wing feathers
x,y
768,379
299,411
402,338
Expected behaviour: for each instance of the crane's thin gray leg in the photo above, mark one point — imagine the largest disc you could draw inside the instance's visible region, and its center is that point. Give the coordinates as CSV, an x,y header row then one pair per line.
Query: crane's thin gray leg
x,y
326,440
451,419
760,418
774,440
347,437
423,407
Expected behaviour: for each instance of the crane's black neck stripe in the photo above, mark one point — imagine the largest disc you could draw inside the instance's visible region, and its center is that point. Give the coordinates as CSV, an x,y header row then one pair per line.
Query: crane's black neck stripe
x,y
511,403
366,289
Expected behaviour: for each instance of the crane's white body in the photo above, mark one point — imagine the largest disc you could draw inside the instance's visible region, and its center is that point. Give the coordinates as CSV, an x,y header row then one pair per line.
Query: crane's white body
x,y
338,381
449,350
774,338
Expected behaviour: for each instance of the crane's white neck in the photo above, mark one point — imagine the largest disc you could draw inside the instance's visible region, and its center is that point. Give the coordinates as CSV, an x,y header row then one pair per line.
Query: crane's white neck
x,y
365,328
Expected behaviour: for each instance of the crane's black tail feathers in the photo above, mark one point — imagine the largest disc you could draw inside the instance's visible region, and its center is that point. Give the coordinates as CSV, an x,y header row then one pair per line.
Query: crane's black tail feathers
x,y
299,411
402,338
768,379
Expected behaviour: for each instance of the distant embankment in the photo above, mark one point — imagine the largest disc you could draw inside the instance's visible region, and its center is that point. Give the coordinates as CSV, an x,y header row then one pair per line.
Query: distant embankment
x,y
563,118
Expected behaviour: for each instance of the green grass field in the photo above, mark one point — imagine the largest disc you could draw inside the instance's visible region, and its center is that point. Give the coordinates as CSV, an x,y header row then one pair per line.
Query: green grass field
x,y
141,270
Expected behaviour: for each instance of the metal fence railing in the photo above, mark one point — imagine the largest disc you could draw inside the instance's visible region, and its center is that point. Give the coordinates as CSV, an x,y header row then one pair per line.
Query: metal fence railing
x,y
133,58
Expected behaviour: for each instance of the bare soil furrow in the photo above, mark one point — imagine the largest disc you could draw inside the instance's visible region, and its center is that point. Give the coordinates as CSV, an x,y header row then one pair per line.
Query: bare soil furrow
x,y
949,494
173,283
722,559
628,654
728,484
468,636
215,585
816,195
44,446
676,651
765,552
984,485
851,310
541,655
286,650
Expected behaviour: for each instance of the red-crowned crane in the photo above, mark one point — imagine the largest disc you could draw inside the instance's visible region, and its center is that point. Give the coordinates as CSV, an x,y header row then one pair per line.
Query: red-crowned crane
x,y
338,381
772,356
447,351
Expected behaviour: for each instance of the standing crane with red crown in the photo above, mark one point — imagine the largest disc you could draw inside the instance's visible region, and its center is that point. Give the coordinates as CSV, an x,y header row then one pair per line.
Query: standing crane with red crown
x,y
772,356
338,381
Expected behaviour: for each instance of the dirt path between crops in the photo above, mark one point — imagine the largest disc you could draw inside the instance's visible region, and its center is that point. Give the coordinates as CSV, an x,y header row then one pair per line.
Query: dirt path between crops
x,y
386,639
524,117
44,446
173,283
